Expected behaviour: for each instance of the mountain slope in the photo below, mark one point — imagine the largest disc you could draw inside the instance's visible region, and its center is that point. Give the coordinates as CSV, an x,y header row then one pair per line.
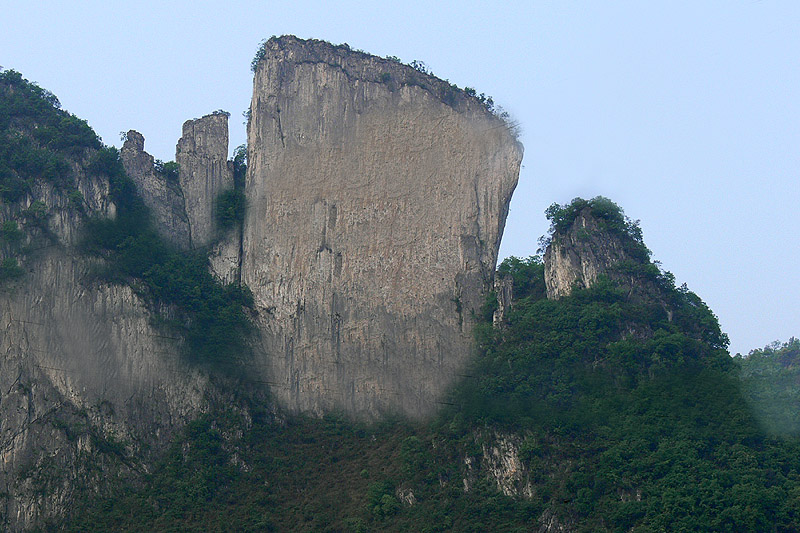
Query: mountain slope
x,y
603,410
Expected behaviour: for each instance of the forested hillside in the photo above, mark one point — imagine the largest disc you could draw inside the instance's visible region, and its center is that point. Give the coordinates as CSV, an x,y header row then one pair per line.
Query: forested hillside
x,y
615,408
595,412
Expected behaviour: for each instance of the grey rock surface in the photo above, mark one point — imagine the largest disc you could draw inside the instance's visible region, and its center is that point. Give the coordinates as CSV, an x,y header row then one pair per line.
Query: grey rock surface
x,y
202,153
504,290
81,366
225,255
163,196
577,256
377,197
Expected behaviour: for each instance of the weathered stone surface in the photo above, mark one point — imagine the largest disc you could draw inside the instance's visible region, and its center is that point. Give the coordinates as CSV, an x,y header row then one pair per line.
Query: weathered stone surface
x,y
202,153
81,365
163,196
70,348
504,289
225,255
377,197
576,257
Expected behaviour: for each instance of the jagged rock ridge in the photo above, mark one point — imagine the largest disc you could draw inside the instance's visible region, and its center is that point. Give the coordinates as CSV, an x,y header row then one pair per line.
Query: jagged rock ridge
x,y
577,256
163,196
376,198
183,206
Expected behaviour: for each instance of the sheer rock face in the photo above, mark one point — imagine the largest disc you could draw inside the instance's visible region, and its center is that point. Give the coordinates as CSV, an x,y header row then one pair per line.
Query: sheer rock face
x,y
81,365
377,197
577,256
164,197
202,154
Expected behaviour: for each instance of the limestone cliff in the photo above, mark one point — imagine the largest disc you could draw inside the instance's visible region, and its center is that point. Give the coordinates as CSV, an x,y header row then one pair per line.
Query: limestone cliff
x,y
82,372
202,157
161,194
577,256
376,197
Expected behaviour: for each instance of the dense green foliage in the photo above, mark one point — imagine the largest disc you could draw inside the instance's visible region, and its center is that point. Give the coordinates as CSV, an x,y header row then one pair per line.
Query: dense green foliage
x,y
239,167
611,218
642,406
771,379
305,475
169,170
209,315
39,143
627,418
36,137
527,275
229,208
10,269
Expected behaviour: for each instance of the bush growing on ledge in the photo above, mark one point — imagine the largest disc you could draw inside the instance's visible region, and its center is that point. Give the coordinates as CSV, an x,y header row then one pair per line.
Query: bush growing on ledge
x,y
169,170
210,315
10,232
10,269
229,208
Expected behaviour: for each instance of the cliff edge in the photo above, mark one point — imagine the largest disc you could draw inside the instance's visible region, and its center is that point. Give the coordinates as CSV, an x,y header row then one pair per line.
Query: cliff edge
x,y
377,196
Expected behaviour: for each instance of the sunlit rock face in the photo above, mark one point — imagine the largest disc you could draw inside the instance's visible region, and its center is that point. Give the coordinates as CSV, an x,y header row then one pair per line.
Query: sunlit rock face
x,y
577,256
202,155
376,201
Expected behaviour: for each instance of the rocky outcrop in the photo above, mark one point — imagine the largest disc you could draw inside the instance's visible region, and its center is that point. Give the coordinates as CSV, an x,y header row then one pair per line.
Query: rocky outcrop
x,y
577,256
202,157
504,291
377,197
88,386
182,205
162,194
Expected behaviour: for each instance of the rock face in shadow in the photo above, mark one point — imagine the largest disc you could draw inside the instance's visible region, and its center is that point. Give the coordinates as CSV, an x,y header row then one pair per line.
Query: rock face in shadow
x,y
88,386
377,197
162,195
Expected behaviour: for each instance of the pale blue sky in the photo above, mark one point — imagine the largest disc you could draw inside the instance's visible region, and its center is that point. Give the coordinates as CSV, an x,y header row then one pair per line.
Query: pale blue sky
x,y
686,113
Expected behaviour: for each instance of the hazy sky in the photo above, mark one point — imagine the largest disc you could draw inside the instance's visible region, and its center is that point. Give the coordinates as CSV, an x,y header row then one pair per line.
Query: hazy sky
x,y
687,114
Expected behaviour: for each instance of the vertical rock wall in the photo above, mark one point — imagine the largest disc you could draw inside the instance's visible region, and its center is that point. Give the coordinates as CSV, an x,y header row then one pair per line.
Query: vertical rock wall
x,y
163,196
377,197
202,154
81,365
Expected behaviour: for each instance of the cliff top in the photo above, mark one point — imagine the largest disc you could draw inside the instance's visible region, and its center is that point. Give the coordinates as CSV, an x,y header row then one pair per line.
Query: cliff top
x,y
390,70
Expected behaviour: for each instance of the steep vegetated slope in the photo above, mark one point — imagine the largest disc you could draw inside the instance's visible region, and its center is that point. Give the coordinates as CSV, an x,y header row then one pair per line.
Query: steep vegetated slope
x,y
612,408
771,381
600,397
95,308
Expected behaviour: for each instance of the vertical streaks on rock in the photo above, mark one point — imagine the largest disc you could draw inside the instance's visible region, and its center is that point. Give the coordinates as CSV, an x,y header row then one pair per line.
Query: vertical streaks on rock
x,y
375,211
577,256
161,195
202,154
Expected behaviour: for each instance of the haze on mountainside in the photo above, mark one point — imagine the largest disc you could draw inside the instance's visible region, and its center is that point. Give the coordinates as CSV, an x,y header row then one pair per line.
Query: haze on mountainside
x,y
610,405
